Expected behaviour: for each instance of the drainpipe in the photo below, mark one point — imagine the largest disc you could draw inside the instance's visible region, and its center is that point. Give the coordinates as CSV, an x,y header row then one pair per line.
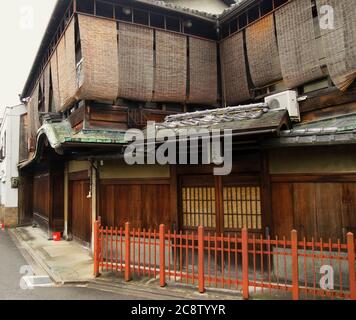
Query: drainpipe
x,y
93,188
66,195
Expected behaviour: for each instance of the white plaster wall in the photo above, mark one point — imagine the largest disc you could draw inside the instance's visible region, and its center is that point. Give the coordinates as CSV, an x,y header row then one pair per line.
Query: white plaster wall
x,y
8,167
210,6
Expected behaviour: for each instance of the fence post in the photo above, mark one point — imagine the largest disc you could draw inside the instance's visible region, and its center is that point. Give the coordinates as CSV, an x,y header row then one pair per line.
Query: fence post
x,y
295,271
351,258
96,248
244,247
162,256
127,252
201,275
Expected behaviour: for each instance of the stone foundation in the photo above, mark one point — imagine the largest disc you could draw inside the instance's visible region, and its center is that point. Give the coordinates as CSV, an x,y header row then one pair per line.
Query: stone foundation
x,y
9,216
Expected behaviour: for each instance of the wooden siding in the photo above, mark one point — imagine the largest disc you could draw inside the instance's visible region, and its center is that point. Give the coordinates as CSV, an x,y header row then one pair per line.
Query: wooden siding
x,y
314,209
80,210
42,197
144,204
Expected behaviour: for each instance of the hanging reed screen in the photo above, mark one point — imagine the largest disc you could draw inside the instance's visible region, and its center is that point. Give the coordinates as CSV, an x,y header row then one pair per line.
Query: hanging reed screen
x,y
99,52
135,62
262,52
203,79
46,83
297,45
198,206
67,68
171,67
242,207
55,81
339,42
234,69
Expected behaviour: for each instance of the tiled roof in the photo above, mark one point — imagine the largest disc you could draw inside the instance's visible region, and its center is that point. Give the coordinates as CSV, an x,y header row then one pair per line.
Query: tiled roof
x,y
59,133
172,6
233,7
323,132
241,118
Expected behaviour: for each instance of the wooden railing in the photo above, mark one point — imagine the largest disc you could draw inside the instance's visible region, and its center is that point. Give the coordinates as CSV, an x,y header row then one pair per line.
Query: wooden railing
x,y
299,268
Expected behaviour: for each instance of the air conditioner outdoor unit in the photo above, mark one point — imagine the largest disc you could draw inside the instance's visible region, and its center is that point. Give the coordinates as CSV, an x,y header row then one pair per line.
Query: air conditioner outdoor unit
x,y
286,100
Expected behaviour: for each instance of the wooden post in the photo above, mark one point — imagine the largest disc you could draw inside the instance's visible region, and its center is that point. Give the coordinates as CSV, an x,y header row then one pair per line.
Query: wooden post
x,y
245,284
351,258
201,259
127,252
162,256
96,248
295,271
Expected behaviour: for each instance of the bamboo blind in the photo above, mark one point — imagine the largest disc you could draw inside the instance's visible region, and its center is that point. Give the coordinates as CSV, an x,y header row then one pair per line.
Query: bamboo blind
x,y
67,68
262,52
234,69
34,122
171,67
203,79
297,45
100,52
31,118
340,42
135,62
55,81
198,204
242,207
46,83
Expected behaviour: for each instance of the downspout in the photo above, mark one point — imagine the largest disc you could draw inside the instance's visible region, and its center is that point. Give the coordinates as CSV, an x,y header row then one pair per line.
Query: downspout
x,y
66,203
94,202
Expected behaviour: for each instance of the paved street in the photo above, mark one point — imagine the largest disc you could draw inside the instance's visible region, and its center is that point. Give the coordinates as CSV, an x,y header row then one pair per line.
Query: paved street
x,y
11,260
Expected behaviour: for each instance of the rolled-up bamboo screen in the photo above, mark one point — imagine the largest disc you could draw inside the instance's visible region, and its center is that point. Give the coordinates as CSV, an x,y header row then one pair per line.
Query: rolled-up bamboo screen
x,y
234,69
67,68
46,82
135,62
262,52
34,123
339,41
297,45
55,81
203,79
100,52
171,67
31,119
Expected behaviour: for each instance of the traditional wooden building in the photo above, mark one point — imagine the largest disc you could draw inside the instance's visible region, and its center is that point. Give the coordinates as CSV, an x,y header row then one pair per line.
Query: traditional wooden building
x,y
107,66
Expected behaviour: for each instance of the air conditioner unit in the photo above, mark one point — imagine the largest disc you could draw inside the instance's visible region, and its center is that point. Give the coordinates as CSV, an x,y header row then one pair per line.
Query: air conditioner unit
x,y
286,100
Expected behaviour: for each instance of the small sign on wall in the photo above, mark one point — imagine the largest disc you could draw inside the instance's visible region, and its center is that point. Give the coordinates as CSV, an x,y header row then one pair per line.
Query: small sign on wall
x,y
14,183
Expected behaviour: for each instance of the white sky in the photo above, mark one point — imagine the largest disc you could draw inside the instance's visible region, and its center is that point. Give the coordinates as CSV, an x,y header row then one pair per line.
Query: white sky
x,y
22,26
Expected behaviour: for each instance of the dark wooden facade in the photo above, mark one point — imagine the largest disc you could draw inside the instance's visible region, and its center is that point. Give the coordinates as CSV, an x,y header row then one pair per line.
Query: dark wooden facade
x,y
48,198
79,208
316,204
143,202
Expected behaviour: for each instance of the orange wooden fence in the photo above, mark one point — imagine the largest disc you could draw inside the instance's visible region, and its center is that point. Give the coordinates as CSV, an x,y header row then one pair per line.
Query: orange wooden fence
x,y
304,269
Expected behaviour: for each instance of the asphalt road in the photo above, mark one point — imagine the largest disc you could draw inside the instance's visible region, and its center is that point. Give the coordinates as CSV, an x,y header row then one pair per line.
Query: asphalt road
x,y
11,261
